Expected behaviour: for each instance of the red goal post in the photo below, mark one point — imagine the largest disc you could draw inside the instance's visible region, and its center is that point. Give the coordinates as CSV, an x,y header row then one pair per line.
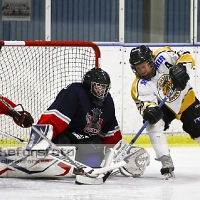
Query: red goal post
x,y
33,72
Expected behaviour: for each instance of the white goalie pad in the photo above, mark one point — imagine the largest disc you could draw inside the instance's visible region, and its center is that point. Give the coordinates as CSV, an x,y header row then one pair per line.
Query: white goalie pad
x,y
16,162
36,142
137,159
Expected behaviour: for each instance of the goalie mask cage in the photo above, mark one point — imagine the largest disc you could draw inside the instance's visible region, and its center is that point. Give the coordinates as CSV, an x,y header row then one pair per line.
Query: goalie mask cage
x,y
33,72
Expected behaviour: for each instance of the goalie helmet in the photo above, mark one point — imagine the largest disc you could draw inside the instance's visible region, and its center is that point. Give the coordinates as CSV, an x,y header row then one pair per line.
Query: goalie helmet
x,y
96,83
140,55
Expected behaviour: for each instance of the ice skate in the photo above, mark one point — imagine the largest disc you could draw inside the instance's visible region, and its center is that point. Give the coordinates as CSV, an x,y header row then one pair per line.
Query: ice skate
x,y
167,169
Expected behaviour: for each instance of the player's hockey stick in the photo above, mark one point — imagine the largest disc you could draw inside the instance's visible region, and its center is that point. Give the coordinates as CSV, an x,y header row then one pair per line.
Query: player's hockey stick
x,y
8,105
13,137
123,151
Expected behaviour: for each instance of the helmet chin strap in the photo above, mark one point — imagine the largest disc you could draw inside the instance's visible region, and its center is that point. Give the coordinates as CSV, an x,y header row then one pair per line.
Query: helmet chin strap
x,y
150,75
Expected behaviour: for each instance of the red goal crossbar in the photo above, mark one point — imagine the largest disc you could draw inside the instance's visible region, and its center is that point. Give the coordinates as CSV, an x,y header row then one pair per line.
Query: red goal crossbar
x,y
56,43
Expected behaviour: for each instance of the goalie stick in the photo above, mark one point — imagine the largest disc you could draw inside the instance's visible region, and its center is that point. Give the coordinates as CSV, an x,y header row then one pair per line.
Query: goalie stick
x,y
91,171
123,151
81,169
89,178
78,165
88,171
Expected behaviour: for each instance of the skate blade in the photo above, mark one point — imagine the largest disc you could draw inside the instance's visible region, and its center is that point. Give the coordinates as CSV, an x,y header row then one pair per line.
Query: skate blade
x,y
169,176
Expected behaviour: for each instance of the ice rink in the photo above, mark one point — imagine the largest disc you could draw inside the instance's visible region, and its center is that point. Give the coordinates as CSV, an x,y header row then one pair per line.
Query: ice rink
x,y
148,187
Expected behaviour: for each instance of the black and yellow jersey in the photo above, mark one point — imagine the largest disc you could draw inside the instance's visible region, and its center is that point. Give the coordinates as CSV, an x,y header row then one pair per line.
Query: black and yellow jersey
x,y
146,93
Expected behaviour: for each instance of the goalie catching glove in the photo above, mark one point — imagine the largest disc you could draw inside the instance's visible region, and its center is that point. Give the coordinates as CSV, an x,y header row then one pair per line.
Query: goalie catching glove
x,y
179,76
21,118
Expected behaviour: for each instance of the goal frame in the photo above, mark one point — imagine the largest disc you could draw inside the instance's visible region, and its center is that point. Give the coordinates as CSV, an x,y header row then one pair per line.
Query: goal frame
x,y
42,43
56,43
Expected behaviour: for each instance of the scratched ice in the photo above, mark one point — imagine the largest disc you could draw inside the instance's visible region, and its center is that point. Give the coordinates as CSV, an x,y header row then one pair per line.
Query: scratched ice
x,y
148,187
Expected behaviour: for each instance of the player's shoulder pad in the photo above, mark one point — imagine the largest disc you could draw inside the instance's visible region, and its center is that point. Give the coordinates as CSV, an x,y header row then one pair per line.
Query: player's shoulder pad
x,y
165,48
165,58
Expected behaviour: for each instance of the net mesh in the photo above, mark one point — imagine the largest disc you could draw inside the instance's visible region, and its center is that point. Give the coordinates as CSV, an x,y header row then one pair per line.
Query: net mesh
x,y
33,76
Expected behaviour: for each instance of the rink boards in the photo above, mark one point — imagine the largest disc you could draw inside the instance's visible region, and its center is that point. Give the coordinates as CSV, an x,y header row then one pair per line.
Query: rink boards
x,y
174,140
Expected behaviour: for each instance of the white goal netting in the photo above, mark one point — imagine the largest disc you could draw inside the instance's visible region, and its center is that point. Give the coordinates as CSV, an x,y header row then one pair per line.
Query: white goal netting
x,y
33,72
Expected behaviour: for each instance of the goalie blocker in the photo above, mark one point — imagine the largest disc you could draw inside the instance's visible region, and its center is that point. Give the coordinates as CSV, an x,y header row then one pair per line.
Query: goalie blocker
x,y
36,142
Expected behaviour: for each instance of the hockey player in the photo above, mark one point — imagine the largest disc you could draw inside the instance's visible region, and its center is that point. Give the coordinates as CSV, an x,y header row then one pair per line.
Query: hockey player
x,y
23,119
156,72
83,114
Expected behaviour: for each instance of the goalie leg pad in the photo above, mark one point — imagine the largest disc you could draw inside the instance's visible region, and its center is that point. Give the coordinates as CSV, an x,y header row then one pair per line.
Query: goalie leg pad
x,y
112,154
108,158
137,159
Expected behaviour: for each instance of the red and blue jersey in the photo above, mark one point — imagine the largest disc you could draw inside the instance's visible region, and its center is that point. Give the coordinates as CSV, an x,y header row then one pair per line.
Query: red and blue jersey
x,y
73,110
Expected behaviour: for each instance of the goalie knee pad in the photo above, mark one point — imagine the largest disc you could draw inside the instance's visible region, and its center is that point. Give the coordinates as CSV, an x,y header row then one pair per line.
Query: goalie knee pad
x,y
108,158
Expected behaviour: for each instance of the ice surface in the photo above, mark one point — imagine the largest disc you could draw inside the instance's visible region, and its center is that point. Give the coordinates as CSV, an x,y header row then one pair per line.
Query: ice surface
x,y
148,187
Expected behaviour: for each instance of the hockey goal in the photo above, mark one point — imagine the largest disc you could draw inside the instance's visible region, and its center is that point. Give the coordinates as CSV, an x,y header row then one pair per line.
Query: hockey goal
x,y
33,72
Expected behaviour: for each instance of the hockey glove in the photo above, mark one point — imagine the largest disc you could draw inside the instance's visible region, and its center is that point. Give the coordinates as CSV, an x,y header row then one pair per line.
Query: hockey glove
x,y
152,114
23,119
179,76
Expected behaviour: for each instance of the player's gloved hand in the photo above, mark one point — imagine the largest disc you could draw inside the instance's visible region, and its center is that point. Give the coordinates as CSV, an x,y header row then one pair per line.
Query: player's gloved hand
x,y
153,114
179,76
22,118
25,120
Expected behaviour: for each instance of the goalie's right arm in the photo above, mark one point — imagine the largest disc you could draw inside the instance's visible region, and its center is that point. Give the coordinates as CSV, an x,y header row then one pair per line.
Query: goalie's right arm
x,y
20,116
